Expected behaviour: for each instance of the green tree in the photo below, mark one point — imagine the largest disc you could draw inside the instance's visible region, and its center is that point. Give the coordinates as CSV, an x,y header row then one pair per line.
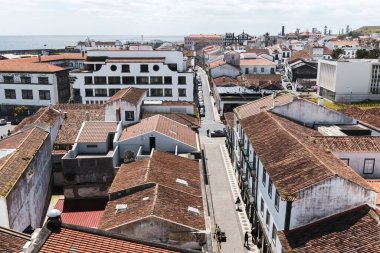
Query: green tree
x,y
336,53
374,53
20,110
361,54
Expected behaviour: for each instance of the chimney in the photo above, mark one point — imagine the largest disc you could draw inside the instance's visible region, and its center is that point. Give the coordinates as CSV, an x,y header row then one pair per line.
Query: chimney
x,y
283,31
87,116
275,103
54,220
320,101
274,95
82,53
65,115
39,58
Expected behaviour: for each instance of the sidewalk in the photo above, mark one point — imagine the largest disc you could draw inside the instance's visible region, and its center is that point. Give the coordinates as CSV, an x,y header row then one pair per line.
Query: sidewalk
x,y
233,223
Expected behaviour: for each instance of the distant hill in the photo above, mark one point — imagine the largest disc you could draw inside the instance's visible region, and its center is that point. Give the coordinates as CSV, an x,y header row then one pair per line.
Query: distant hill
x,y
368,29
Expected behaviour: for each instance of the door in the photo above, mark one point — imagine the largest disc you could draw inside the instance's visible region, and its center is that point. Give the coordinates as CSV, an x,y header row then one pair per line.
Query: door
x,y
152,142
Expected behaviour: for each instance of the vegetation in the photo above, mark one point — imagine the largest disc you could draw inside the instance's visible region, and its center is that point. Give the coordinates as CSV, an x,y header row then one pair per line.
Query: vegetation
x,y
371,54
20,111
365,105
367,30
336,53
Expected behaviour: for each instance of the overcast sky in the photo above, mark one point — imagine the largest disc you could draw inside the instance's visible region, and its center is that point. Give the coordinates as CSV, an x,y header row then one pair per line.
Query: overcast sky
x,y
180,17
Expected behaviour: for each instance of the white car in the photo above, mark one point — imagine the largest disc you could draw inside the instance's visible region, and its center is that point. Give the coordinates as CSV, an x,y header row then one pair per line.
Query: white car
x,y
3,122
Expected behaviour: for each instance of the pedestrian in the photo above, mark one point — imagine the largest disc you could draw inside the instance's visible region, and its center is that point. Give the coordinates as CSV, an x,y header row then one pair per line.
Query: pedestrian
x,y
246,239
9,132
237,203
208,132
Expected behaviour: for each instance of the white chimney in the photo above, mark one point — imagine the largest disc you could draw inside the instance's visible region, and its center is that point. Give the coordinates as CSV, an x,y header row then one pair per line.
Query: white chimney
x,y
87,116
320,101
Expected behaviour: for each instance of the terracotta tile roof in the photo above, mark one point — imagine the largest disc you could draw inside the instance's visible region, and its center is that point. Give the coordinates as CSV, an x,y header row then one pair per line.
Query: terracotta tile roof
x,y
261,81
74,238
136,60
131,95
216,64
96,131
44,116
12,241
76,115
27,143
327,51
81,212
356,230
258,51
261,105
375,183
224,81
205,36
164,126
162,168
300,165
370,117
343,43
185,119
349,143
157,201
256,62
302,54
23,67
229,117
50,58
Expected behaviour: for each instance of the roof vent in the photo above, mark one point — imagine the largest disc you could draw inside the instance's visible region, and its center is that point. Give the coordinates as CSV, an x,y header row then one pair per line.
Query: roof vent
x,y
181,181
145,198
54,220
121,208
193,210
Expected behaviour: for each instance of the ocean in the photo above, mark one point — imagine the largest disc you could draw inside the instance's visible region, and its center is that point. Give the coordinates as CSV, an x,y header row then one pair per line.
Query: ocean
x,y
60,41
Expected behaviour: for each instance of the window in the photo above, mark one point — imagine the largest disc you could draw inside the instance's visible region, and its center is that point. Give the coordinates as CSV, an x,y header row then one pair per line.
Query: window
x,y
113,67
262,207
8,79
125,68
156,93
92,146
88,80
369,166
114,80
346,160
274,234
182,92
156,67
10,94
144,68
262,69
100,92
128,80
264,177
168,80
89,92
168,92
277,200
25,79
156,80
27,94
100,80
112,92
270,188
246,71
182,80
44,94
142,80
43,80
254,70
267,219
129,115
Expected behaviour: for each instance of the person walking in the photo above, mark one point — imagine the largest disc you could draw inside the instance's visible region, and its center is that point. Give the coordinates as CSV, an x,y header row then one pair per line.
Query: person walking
x,y
237,203
246,239
208,132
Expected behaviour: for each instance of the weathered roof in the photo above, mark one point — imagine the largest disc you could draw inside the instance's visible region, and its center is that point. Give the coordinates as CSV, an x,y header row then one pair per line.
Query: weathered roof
x,y
229,117
96,131
185,119
44,116
356,230
156,201
27,144
370,117
12,241
261,81
224,81
261,105
163,125
349,143
216,64
375,183
301,54
75,116
162,168
131,95
302,163
24,67
79,239
256,62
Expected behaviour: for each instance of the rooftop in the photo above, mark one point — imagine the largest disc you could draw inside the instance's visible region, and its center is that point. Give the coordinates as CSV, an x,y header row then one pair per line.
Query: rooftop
x,y
185,119
256,62
27,144
12,241
349,143
205,36
44,116
12,66
356,230
163,125
96,131
370,117
229,117
131,95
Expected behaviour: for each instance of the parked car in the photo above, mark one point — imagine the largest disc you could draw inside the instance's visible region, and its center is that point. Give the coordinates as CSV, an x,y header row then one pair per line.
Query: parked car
x,y
3,122
202,112
15,122
218,133
201,104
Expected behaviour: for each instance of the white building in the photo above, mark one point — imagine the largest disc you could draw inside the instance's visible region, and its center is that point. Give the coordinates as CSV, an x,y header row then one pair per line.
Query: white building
x,y
163,74
257,66
349,80
350,47
207,39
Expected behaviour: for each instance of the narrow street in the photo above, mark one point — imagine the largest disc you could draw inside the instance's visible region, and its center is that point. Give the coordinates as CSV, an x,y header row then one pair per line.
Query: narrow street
x,y
222,188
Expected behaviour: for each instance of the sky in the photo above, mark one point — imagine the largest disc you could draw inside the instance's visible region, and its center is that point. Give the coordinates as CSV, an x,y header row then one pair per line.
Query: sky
x,y
181,17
